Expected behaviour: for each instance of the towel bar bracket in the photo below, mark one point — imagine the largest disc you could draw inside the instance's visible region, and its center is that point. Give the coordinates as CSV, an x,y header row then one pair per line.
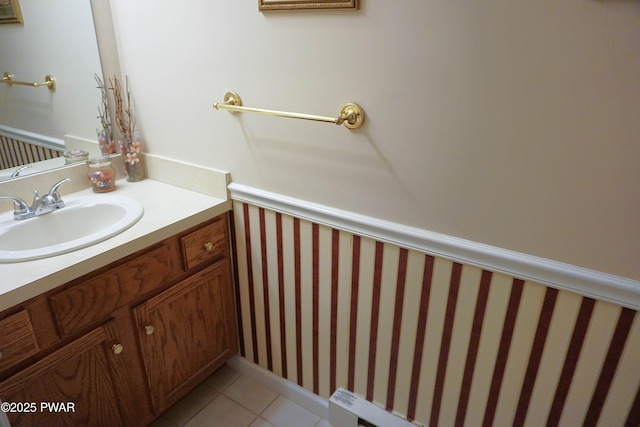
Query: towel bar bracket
x,y
352,116
232,98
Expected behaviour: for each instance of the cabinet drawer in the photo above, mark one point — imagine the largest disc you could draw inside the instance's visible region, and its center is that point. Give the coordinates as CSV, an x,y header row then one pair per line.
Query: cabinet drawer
x,y
206,243
17,341
99,296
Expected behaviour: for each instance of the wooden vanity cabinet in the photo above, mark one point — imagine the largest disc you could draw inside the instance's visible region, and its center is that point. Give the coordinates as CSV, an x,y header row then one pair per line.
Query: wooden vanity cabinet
x,y
124,343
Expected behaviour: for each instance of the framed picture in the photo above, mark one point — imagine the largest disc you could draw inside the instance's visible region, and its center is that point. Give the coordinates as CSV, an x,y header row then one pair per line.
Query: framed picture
x,y
10,12
268,5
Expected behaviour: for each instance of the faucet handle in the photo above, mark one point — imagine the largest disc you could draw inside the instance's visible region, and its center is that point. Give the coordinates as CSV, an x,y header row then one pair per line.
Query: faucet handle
x,y
53,192
36,198
21,209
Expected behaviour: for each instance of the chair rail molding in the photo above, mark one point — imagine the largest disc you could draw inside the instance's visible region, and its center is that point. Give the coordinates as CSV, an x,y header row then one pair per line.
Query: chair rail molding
x,y
591,283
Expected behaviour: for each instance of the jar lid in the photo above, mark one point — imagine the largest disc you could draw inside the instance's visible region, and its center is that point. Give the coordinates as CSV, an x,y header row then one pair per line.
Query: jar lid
x,y
99,162
75,155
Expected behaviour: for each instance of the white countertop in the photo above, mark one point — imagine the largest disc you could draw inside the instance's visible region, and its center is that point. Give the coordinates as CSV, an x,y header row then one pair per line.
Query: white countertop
x,y
167,210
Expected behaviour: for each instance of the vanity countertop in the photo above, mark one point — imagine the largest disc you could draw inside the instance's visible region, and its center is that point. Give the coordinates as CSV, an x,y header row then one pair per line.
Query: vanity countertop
x,y
167,210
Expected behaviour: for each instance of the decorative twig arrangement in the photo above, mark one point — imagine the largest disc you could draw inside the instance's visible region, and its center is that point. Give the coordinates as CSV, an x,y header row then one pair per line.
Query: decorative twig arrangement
x,y
105,136
126,121
103,109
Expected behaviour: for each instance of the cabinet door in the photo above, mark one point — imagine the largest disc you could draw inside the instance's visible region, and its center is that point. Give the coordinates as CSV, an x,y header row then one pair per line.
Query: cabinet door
x,y
186,333
75,381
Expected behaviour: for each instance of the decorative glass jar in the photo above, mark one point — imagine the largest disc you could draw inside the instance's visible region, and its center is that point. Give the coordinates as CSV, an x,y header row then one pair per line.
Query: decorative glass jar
x,y
102,175
74,156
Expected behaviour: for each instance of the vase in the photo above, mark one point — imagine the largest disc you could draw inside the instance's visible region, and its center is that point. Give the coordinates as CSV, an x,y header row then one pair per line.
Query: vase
x,y
134,171
106,143
131,148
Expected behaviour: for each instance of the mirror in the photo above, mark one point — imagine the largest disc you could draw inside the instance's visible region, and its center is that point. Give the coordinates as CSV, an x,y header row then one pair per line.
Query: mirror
x,y
57,39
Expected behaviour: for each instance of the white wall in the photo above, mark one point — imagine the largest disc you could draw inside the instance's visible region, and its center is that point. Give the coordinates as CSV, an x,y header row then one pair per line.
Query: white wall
x,y
505,122
58,40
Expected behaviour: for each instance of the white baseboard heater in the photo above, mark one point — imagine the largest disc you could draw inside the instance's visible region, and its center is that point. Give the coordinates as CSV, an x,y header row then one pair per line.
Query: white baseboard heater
x,y
349,410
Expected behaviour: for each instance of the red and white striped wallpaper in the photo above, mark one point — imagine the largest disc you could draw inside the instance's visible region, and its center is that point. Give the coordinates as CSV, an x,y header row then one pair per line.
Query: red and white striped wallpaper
x,y
432,340
14,153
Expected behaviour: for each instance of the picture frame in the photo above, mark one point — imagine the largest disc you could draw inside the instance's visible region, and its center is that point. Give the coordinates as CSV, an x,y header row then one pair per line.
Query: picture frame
x,y
274,5
10,12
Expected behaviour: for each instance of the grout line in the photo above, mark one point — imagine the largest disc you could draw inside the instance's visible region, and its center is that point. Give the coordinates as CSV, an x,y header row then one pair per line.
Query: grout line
x,y
252,421
189,396
218,394
222,391
240,403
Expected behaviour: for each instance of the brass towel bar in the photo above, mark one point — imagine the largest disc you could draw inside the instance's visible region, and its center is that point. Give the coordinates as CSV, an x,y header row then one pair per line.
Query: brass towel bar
x,y
351,115
50,81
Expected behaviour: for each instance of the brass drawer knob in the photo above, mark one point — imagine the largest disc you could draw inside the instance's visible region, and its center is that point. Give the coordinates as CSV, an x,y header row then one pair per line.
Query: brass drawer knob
x,y
149,330
117,348
208,246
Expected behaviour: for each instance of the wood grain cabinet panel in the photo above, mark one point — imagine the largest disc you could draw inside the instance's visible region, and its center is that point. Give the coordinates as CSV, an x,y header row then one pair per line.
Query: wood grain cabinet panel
x,y
98,297
17,340
208,243
186,333
79,374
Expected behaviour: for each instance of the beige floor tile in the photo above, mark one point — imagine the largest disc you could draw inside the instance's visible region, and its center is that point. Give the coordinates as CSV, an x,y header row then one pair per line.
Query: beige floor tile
x,y
285,413
191,404
222,412
250,394
223,378
228,398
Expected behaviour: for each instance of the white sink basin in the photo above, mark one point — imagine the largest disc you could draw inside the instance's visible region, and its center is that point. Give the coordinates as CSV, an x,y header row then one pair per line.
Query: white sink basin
x,y
84,221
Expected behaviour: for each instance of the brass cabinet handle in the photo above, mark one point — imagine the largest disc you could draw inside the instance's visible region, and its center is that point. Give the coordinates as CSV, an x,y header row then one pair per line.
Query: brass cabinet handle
x,y
0,355
117,348
208,246
149,330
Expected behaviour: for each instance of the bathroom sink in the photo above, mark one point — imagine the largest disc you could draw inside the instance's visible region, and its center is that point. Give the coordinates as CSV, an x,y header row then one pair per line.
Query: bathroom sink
x,y
83,221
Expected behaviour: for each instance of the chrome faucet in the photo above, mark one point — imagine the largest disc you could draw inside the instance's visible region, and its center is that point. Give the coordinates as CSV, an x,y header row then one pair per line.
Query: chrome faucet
x,y
41,205
20,169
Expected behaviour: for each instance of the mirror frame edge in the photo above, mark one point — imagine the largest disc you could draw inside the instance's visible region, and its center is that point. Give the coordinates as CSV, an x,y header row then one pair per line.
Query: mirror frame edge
x,y
107,45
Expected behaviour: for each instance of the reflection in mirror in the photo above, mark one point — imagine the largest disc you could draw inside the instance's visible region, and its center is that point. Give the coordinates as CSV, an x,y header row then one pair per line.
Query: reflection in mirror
x,y
37,123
